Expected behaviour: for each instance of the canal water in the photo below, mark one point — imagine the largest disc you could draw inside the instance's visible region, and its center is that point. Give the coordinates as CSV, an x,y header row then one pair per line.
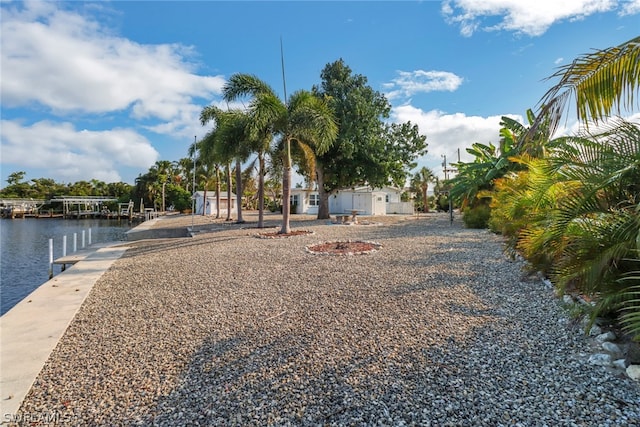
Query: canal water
x,y
24,250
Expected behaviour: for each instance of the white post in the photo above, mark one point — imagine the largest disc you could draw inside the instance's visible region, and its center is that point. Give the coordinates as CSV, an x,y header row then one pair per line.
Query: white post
x,y
75,242
89,236
50,258
82,239
64,250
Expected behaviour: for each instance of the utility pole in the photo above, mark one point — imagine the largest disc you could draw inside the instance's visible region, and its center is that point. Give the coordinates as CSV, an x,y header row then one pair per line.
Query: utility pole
x,y
448,169
444,166
447,192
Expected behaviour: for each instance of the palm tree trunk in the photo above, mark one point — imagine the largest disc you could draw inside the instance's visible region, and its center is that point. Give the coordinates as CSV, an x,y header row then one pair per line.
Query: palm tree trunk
x,y
286,190
218,186
323,207
228,192
426,199
260,190
239,191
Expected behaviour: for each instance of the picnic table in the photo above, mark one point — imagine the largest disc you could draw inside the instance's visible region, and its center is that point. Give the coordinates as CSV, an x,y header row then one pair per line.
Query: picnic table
x,y
352,215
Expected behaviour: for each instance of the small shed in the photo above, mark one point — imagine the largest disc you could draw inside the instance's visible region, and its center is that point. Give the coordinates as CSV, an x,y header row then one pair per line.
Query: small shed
x,y
210,203
363,199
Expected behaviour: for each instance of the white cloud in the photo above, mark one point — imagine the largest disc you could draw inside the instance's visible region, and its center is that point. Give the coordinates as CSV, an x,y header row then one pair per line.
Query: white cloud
x,y
446,133
409,83
70,64
528,17
72,155
630,7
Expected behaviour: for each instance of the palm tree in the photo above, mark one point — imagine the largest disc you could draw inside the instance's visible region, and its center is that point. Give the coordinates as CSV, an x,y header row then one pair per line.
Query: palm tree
x,y
185,170
604,210
232,143
421,181
209,161
304,119
597,223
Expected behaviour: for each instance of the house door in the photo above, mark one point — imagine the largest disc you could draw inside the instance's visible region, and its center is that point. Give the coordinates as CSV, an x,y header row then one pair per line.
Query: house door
x,y
360,202
295,202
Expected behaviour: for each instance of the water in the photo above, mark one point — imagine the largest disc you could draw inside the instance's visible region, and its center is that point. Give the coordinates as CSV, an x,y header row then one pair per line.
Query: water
x,y
24,250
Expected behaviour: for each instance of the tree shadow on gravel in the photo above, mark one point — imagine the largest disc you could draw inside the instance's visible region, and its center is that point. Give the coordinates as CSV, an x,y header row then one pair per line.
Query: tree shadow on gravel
x,y
163,245
236,382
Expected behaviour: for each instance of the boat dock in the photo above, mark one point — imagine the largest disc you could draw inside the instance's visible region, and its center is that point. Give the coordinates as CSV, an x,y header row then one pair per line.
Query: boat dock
x,y
20,208
68,207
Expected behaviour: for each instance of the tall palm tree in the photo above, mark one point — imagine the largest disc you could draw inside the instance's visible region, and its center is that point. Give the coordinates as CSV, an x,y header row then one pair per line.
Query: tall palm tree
x,y
232,143
303,119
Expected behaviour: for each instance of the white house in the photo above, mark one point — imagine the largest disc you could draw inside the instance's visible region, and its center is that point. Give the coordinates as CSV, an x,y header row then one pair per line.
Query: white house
x,y
211,203
394,203
304,201
364,199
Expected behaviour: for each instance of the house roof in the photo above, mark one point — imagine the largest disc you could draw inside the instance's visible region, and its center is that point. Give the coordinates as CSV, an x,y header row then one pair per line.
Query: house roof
x,y
212,194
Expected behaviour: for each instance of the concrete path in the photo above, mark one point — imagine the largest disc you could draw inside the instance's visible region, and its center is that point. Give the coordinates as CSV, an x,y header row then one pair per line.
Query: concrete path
x,y
30,330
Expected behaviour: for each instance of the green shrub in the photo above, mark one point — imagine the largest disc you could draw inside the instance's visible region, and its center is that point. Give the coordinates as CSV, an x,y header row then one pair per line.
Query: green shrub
x,y
476,217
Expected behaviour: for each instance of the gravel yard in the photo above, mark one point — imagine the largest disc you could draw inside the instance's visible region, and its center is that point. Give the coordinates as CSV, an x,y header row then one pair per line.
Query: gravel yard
x,y
436,327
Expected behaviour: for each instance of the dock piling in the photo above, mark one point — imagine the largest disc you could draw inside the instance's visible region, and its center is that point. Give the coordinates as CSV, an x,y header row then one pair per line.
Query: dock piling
x,y
50,259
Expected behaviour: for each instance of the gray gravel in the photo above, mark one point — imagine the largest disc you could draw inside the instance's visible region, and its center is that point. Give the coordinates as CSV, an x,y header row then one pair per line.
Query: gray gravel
x,y
436,328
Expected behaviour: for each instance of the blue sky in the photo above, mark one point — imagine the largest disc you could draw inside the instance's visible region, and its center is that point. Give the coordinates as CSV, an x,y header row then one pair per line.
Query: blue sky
x,y
104,90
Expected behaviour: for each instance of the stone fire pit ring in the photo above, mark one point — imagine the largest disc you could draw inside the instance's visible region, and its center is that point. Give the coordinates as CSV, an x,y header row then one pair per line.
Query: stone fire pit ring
x,y
343,248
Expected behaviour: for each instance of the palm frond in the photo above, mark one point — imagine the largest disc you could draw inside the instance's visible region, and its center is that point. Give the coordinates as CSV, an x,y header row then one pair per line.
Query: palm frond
x,y
241,84
602,83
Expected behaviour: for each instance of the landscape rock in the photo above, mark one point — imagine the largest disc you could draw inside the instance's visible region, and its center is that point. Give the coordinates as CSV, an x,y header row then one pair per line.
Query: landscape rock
x,y
601,359
620,364
607,336
595,331
633,371
633,352
612,347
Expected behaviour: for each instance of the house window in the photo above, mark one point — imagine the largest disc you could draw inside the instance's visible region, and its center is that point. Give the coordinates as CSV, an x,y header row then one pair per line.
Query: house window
x,y
314,200
386,198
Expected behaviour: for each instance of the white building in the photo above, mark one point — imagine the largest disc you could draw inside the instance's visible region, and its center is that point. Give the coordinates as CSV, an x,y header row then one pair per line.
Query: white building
x,y
211,203
366,200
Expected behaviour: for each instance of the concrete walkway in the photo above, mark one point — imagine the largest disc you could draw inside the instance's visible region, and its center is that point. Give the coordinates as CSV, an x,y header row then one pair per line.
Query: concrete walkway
x,y
30,330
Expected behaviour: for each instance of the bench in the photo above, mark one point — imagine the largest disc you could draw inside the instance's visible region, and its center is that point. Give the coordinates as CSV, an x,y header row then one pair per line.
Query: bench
x,y
341,219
